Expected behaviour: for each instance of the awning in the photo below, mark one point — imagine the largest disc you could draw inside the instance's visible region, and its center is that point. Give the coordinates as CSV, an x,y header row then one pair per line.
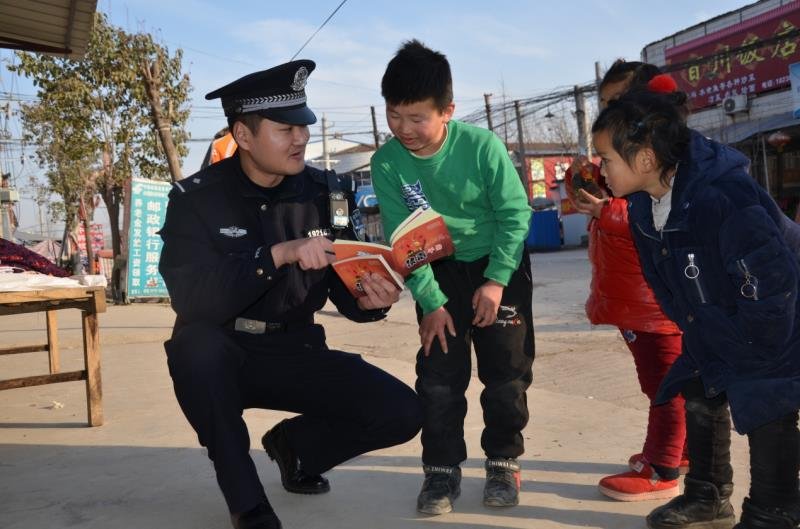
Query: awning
x,y
47,26
737,132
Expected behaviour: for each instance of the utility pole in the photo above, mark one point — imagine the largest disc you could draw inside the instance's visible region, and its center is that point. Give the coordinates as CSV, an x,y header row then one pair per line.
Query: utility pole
x,y
505,114
488,110
325,156
374,127
583,123
598,78
523,173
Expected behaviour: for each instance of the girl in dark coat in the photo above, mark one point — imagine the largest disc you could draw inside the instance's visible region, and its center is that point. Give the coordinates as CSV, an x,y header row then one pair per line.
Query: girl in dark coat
x,y
713,246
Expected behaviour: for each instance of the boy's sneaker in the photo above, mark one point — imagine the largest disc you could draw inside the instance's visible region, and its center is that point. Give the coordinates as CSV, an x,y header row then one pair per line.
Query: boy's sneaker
x,y
635,459
502,483
640,484
440,489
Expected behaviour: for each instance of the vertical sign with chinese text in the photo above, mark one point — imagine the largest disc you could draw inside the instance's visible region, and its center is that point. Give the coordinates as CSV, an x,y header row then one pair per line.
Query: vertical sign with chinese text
x,y
148,209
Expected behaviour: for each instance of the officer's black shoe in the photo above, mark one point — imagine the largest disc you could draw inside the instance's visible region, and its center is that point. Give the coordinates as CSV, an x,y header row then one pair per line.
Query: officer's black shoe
x,y
292,476
440,489
754,517
701,506
259,517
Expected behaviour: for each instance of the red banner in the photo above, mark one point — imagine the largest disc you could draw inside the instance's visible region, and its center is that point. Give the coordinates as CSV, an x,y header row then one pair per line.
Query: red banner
x,y
748,58
96,237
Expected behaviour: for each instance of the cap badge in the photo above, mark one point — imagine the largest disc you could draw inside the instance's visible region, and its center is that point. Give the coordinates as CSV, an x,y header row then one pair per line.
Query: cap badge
x,y
300,78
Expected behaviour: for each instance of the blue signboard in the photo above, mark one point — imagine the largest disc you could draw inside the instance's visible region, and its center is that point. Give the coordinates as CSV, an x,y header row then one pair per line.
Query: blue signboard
x,y
794,76
148,210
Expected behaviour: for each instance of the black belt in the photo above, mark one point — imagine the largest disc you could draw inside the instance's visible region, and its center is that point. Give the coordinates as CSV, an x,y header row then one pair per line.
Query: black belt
x,y
268,327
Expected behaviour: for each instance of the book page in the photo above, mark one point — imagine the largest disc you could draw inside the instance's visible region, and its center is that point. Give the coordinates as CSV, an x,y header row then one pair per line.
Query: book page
x,y
401,227
353,269
345,249
422,240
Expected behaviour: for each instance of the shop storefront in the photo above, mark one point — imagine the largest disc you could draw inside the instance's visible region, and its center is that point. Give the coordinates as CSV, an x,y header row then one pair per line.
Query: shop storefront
x,y
735,68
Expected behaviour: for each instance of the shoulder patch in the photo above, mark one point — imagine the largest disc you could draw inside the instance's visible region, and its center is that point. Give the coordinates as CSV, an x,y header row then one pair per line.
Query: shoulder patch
x,y
203,178
331,180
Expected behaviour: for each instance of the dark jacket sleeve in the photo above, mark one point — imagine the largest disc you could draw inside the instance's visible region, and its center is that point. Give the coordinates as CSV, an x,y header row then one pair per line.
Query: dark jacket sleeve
x,y
203,283
764,273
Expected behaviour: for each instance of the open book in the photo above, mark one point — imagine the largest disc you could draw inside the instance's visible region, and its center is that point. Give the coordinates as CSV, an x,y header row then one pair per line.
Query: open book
x,y
418,240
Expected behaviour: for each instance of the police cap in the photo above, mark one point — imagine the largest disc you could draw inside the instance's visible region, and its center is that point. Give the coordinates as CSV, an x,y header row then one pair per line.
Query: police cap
x,y
277,94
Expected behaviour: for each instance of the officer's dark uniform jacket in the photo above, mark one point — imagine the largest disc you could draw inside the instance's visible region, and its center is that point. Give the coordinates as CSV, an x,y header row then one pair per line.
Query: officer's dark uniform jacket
x,y
216,259
725,233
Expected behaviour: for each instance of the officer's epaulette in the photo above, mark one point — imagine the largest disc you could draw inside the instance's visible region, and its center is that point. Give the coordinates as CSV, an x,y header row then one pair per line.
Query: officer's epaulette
x,y
333,181
204,177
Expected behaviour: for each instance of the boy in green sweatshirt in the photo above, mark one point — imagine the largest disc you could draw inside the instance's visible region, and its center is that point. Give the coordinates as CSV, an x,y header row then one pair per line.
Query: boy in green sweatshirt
x,y
482,296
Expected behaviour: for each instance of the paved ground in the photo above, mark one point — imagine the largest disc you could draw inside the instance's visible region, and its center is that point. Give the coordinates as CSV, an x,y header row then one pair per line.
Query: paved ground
x,y
143,467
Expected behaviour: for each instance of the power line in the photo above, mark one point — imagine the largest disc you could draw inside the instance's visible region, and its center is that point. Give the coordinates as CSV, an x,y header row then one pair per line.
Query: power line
x,y
317,31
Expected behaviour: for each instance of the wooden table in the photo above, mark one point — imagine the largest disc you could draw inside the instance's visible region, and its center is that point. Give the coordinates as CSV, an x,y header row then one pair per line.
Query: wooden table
x,y
90,301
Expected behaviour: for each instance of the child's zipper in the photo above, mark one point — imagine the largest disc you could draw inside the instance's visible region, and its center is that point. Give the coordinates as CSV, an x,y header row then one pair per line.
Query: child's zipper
x,y
749,288
692,273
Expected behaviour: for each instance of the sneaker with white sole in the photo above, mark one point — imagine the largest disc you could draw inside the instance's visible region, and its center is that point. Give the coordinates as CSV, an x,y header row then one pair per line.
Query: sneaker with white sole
x,y
440,489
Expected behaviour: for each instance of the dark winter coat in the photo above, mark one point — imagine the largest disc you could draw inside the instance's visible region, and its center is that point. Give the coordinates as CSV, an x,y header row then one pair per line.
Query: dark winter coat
x,y
723,271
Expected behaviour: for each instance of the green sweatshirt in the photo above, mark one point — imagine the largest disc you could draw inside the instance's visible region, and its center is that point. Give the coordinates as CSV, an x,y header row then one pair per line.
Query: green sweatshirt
x,y
472,183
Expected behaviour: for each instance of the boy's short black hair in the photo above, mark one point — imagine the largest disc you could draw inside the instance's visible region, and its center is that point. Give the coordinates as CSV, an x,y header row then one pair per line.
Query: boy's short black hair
x,y
417,73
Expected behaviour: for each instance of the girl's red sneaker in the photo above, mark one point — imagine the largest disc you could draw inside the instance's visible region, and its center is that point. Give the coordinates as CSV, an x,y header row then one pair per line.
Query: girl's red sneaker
x,y
640,484
634,460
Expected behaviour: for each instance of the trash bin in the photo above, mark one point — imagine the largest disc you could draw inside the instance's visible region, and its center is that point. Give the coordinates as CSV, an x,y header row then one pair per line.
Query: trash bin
x,y
545,232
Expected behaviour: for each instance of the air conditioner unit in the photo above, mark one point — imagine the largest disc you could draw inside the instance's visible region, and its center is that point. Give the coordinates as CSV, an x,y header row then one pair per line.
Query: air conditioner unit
x,y
736,103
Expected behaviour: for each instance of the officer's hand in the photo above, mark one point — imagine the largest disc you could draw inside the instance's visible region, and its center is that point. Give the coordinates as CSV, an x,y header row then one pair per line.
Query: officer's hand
x,y
485,303
314,253
381,293
433,326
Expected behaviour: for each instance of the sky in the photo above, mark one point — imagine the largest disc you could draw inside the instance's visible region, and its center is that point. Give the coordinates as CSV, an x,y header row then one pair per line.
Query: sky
x,y
512,49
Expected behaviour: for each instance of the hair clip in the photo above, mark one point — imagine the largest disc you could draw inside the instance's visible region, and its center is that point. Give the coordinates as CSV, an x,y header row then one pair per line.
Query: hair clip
x,y
635,129
662,84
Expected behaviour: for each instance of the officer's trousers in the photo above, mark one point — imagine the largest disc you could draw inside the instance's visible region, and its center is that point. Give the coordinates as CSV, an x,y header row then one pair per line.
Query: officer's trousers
x,y
346,406
504,352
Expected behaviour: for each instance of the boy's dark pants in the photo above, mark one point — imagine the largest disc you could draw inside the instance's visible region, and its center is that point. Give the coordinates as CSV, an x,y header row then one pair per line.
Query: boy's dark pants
x,y
774,449
504,352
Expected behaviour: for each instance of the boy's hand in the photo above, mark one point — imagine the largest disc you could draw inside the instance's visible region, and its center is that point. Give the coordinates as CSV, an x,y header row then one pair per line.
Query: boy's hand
x,y
381,293
589,204
433,326
485,303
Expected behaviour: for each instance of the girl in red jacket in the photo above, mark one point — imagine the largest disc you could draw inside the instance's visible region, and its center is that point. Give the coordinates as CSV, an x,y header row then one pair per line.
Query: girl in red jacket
x,y
620,296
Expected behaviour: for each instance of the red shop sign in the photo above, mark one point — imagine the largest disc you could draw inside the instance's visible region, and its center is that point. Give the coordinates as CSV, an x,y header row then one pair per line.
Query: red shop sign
x,y
724,69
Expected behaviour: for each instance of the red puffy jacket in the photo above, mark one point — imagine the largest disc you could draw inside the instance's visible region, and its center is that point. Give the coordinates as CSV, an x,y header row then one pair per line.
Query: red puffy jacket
x,y
619,294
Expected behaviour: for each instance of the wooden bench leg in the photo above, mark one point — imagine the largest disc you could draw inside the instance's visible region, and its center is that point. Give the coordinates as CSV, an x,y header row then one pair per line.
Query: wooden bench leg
x,y
52,342
91,355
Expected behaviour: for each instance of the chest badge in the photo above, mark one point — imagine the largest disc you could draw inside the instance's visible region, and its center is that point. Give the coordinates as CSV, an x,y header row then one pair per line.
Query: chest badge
x,y
318,232
233,232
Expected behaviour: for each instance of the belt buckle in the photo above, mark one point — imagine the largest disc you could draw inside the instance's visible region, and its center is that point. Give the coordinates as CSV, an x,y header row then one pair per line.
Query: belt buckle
x,y
250,326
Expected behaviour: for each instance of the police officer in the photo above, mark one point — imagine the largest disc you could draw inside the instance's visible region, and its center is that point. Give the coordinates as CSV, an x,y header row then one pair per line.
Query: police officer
x,y
245,258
